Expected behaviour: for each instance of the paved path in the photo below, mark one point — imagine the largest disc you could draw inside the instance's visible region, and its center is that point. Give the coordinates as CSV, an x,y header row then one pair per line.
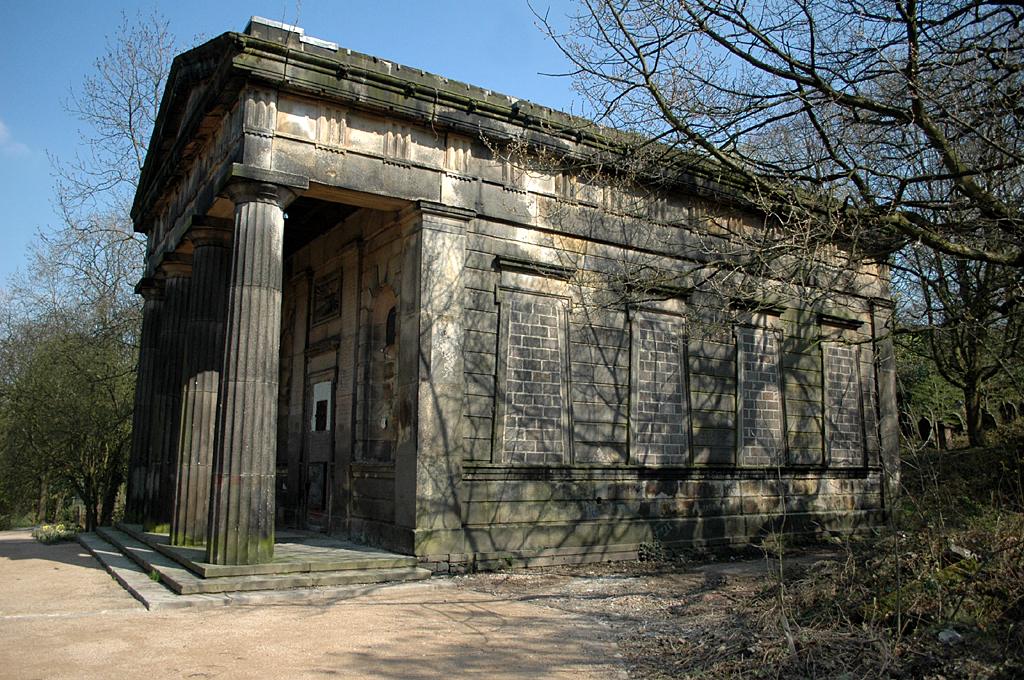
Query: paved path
x,y
61,616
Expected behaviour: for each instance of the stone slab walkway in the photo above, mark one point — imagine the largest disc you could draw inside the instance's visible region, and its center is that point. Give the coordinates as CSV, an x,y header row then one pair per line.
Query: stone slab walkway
x,y
62,616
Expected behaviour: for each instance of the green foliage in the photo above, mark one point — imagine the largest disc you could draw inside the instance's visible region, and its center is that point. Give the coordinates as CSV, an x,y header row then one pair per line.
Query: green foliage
x,y
68,409
964,326
923,391
15,521
69,325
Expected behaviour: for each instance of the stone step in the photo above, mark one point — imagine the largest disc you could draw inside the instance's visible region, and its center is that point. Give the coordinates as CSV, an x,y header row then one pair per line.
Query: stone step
x,y
157,565
308,555
182,581
155,596
152,594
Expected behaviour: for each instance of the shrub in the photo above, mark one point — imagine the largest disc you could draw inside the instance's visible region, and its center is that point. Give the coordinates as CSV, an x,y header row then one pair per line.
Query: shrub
x,y
952,563
55,533
16,521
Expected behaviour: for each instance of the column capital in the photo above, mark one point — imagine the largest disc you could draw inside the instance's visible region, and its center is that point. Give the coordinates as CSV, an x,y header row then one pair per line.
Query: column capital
x,y
150,288
210,231
247,183
174,265
249,191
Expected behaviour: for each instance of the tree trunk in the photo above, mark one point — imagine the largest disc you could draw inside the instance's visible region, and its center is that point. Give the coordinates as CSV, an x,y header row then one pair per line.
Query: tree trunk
x,y
972,405
90,501
113,487
43,498
58,507
90,517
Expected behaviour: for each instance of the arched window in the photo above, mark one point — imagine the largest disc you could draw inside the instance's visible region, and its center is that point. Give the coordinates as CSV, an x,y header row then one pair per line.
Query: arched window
x,y
389,327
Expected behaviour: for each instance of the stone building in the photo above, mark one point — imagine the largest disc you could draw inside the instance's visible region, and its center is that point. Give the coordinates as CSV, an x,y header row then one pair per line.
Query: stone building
x,y
362,319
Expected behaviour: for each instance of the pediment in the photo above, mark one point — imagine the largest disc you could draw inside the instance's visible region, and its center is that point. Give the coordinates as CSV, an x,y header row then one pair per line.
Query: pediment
x,y
200,84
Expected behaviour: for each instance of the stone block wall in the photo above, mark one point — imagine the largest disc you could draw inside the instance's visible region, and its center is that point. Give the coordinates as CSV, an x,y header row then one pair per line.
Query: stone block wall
x,y
679,436
534,369
844,421
761,418
660,410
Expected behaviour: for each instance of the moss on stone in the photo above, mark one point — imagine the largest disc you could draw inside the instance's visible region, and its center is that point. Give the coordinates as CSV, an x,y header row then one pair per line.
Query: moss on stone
x,y
266,548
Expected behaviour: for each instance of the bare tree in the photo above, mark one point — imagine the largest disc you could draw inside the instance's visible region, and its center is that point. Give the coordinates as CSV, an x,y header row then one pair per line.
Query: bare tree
x,y
971,318
67,344
902,119
117,103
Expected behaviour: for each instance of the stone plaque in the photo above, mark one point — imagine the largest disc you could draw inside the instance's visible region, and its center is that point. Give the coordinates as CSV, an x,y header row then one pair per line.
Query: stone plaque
x,y
326,298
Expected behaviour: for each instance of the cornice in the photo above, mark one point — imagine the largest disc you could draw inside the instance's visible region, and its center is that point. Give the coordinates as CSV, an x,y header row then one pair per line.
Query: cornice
x,y
225,64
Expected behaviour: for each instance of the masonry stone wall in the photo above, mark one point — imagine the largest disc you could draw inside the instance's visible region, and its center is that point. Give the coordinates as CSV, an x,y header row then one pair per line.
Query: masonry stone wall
x,y
845,425
534,403
660,409
658,452
761,417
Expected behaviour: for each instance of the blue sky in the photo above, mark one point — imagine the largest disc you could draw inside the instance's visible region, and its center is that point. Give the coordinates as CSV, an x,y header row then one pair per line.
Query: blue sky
x,y
49,46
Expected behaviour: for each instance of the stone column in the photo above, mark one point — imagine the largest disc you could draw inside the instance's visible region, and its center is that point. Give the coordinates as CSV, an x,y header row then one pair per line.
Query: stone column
x,y
142,417
241,523
175,271
428,471
211,268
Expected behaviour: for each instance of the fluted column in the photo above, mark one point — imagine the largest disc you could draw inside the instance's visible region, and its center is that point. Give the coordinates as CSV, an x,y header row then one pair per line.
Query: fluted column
x,y
175,271
241,524
204,355
152,292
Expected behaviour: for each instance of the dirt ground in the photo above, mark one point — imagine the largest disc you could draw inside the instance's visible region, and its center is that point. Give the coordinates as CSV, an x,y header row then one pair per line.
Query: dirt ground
x,y
62,616
740,618
672,619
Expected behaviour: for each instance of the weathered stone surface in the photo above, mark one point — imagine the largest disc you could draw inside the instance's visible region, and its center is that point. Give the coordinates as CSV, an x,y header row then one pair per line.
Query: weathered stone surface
x,y
843,418
761,416
241,529
163,468
143,415
533,394
204,357
431,377
494,392
659,410
888,423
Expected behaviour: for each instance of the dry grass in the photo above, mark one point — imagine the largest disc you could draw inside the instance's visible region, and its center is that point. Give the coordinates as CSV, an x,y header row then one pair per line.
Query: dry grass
x,y
938,594
873,607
